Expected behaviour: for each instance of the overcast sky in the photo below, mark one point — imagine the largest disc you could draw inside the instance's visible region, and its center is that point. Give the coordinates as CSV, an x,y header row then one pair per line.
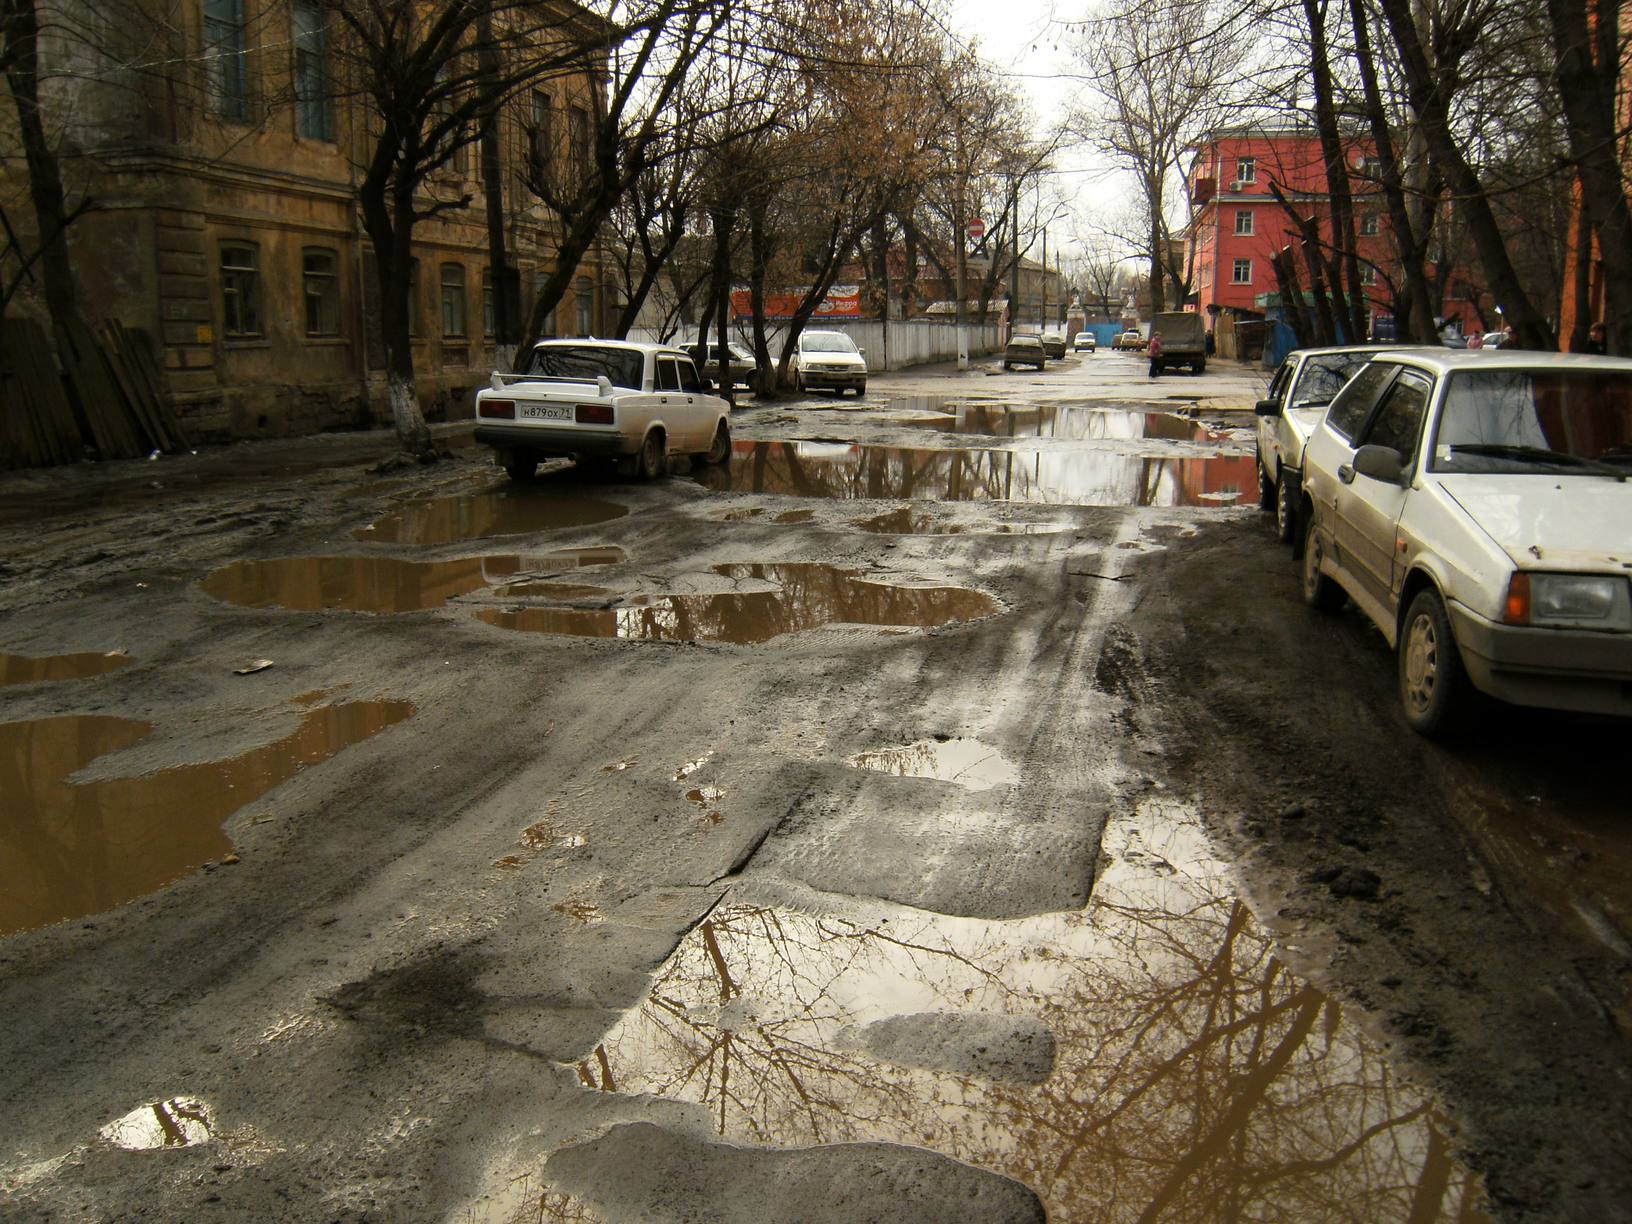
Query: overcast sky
x,y
1026,40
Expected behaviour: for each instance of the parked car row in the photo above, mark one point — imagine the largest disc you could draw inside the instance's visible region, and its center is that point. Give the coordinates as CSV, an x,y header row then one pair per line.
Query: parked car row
x,y
1475,506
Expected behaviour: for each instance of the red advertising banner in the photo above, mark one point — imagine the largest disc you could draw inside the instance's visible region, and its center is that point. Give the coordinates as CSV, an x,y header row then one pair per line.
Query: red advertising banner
x,y
841,302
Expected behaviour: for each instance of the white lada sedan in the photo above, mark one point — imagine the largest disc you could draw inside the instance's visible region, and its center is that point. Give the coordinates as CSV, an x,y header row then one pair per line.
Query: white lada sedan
x,y
1477,507
630,404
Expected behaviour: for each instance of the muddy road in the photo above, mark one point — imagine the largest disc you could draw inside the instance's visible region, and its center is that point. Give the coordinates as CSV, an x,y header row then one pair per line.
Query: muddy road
x,y
947,811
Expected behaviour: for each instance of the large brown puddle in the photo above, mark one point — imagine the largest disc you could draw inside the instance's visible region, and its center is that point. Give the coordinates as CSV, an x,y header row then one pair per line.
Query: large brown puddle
x,y
516,510
801,596
1192,1076
1069,477
71,849
383,584
35,669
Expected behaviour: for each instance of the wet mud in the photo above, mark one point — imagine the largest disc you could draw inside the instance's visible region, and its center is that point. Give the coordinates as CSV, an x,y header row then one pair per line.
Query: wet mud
x,y
514,510
48,669
77,848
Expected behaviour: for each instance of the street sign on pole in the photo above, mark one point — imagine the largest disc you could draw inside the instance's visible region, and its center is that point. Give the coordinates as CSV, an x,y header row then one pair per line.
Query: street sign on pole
x,y
977,230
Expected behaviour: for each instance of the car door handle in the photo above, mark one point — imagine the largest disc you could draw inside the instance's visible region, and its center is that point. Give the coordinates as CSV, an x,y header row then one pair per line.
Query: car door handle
x,y
1345,473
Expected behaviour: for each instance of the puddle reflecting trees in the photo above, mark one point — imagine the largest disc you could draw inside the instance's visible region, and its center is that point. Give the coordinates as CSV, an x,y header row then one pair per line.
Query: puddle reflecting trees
x,y
1196,1078
515,510
804,596
1071,477
76,848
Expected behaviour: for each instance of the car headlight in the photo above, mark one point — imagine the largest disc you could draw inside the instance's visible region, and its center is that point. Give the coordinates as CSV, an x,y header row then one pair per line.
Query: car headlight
x,y
1592,601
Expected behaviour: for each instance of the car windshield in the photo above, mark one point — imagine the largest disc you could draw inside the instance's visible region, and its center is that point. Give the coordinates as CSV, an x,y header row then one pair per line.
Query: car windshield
x,y
1323,377
1541,420
826,342
622,367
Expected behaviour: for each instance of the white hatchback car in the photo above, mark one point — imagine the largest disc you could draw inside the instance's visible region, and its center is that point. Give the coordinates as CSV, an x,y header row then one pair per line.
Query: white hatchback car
x,y
829,359
1478,508
630,404
1296,400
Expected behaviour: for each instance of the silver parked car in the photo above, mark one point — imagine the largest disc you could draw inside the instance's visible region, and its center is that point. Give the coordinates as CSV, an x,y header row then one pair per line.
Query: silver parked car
x,y
1298,394
1478,508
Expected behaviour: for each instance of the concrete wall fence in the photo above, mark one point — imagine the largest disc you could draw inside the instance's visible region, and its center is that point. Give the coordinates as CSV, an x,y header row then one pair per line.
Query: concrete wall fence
x,y
890,345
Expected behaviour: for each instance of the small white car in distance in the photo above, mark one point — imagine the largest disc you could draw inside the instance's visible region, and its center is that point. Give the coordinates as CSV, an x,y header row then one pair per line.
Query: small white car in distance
x,y
629,404
829,360
1298,394
1477,506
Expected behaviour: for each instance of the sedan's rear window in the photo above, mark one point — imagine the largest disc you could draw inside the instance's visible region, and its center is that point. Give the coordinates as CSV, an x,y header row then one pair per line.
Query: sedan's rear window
x,y
622,367
1534,420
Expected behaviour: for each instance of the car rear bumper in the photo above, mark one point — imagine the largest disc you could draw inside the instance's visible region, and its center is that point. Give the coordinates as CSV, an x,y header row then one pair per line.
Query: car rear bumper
x,y
1560,669
554,439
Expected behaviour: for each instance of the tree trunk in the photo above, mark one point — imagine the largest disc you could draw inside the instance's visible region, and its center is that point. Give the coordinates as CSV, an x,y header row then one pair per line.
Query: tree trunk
x,y
1430,102
1348,297
390,232
759,263
20,41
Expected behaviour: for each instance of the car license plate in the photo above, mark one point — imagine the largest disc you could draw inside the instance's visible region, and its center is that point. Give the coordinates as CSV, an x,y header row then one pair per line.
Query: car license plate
x,y
545,412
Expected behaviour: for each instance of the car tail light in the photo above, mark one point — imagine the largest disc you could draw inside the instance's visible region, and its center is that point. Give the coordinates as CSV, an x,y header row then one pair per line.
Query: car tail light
x,y
1516,608
504,410
594,414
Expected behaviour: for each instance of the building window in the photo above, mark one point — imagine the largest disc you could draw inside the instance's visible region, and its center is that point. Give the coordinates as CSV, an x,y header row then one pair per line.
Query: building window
x,y
314,115
1368,276
1371,168
1369,224
1246,169
1243,221
586,306
1242,272
490,326
578,132
240,289
539,134
320,272
226,76
453,299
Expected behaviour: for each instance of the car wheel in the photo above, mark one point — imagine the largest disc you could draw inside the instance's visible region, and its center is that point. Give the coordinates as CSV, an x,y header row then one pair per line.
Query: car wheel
x,y
521,466
861,390
1319,590
1266,487
1286,513
1433,683
720,452
654,457
798,382
1008,365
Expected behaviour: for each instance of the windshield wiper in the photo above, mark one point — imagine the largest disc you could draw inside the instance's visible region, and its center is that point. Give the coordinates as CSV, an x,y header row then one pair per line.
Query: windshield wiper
x,y
1538,454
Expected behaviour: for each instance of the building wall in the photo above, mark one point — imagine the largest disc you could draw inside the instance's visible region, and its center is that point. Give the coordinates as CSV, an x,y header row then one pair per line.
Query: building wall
x,y
1238,219
180,184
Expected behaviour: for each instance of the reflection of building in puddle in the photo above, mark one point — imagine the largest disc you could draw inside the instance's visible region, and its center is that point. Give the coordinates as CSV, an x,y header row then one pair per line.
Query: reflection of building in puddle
x,y
907,521
382,584
1075,476
1195,1077
803,596
78,848
37,669
967,762
515,510
1069,422
177,1122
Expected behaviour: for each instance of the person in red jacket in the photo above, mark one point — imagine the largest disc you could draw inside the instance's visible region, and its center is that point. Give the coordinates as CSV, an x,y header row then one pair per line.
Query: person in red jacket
x,y
1155,351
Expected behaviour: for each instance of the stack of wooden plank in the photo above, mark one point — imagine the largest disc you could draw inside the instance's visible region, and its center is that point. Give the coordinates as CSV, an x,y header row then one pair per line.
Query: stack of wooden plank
x,y
109,400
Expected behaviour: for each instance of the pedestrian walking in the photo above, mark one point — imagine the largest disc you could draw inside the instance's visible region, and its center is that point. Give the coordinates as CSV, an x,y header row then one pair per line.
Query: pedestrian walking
x,y
1155,351
1508,339
1596,340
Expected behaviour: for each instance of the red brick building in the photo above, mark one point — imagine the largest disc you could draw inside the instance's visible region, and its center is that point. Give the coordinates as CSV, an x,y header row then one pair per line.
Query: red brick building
x,y
1239,225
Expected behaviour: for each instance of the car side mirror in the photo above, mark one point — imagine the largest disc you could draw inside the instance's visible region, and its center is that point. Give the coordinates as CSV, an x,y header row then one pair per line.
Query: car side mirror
x,y
1380,463
1267,407
863,352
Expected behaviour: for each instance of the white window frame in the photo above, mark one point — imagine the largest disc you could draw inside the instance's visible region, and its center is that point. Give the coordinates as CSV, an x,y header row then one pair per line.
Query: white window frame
x,y
1236,272
1244,222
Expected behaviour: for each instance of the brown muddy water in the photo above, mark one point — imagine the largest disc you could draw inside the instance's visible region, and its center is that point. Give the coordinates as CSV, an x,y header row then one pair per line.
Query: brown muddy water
x,y
1189,1074
38,669
803,596
383,585
513,510
1072,422
77,848
1077,476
